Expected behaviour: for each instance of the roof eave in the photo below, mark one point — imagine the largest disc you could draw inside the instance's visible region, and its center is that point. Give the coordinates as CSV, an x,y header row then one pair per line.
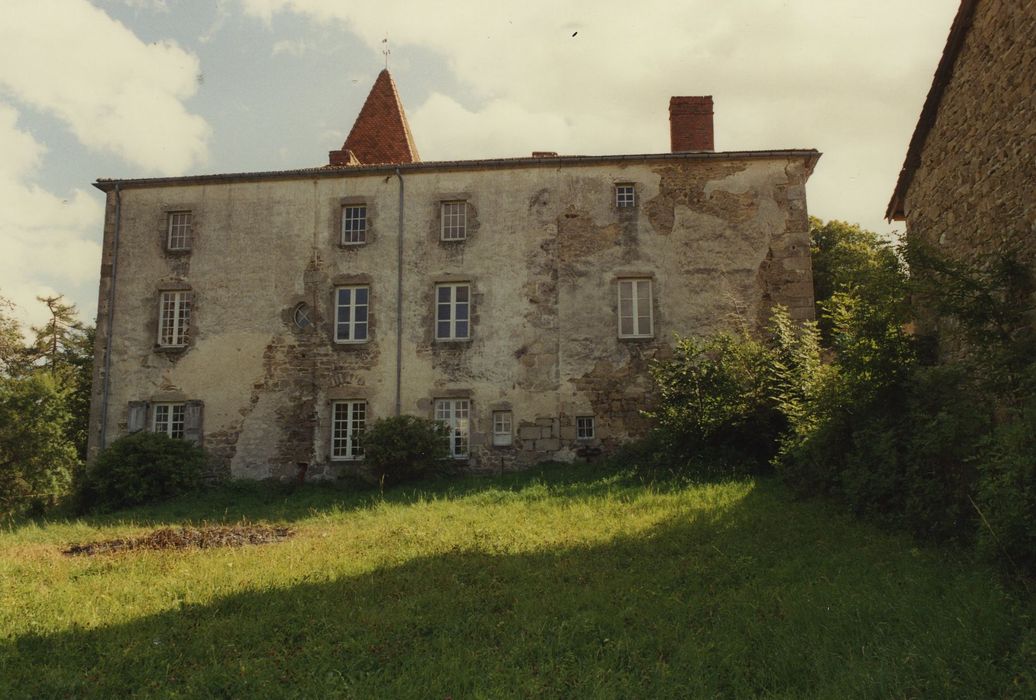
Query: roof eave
x,y
810,157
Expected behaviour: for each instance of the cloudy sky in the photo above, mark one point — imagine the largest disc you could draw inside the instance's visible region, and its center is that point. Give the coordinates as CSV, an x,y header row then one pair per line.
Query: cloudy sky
x,y
137,88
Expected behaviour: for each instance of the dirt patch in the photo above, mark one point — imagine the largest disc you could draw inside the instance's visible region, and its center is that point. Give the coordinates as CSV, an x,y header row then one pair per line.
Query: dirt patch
x,y
186,537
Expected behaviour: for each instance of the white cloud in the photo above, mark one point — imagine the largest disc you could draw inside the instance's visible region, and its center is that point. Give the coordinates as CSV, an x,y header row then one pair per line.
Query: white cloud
x,y
46,241
291,47
835,75
113,91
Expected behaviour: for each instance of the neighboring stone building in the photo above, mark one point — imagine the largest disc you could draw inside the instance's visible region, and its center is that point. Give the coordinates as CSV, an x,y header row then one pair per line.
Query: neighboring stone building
x,y
272,315
969,179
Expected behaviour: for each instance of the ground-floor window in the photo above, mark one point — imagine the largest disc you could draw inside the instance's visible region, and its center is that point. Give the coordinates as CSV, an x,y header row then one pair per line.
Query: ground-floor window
x,y
501,428
348,420
455,413
585,427
169,419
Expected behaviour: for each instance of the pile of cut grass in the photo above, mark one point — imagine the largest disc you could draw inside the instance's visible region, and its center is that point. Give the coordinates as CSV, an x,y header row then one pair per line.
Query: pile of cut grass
x,y
562,582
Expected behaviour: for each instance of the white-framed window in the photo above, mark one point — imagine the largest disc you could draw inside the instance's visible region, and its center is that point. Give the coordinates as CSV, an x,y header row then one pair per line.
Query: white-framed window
x,y
502,435
174,318
351,307
178,230
635,316
625,196
453,311
354,224
169,419
454,221
348,421
455,414
585,427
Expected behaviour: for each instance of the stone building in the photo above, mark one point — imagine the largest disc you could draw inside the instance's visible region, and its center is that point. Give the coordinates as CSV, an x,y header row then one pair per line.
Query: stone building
x,y
272,315
969,178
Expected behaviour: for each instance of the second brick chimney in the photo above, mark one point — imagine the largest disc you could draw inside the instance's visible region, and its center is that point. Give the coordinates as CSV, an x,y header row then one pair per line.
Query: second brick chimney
x,y
690,124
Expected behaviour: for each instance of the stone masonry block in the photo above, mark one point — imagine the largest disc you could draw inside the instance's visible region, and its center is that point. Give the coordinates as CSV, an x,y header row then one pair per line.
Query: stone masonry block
x,y
529,432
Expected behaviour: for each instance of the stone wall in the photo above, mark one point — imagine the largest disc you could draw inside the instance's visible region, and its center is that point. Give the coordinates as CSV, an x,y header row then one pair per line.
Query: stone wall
x,y
976,183
721,239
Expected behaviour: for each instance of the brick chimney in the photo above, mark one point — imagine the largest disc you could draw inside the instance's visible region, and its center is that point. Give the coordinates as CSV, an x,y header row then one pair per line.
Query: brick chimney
x,y
690,124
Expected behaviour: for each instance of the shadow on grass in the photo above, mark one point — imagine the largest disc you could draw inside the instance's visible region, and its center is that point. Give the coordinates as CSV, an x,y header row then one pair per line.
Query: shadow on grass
x,y
746,602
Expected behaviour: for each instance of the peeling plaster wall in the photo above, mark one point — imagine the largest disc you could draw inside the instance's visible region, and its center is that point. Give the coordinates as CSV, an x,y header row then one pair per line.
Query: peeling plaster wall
x,y
720,239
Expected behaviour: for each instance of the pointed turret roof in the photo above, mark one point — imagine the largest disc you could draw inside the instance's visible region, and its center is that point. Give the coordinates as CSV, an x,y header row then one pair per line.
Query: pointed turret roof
x,y
380,134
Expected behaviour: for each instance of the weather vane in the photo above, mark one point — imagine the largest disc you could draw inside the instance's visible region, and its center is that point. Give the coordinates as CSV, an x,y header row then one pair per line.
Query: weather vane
x,y
386,51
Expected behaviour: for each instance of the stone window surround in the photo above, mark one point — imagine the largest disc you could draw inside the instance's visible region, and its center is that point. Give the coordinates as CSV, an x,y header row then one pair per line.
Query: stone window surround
x,y
585,428
454,282
351,453
164,418
618,278
625,195
503,428
325,318
165,222
338,211
353,323
471,221
144,416
445,409
189,331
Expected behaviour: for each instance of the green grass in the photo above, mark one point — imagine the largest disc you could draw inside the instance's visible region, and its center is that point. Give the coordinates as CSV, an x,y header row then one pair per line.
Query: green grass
x,y
563,582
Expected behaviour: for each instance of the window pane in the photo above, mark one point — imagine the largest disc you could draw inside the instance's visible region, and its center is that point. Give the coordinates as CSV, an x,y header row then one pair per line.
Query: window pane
x,y
626,326
360,332
361,314
361,295
444,294
343,314
462,329
443,313
462,312
462,293
442,329
644,290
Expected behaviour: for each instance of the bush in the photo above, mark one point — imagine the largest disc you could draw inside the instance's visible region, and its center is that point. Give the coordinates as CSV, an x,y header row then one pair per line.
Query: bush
x,y
1007,494
36,457
714,406
404,448
139,468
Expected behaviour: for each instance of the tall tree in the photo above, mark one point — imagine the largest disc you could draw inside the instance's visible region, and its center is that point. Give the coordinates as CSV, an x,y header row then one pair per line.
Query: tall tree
x,y
13,355
57,339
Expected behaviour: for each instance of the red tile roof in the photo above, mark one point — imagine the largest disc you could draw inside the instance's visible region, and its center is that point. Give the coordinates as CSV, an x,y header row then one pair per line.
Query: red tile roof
x,y
381,134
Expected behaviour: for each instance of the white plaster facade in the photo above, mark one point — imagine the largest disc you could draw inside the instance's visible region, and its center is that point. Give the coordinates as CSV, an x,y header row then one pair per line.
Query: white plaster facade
x,y
717,235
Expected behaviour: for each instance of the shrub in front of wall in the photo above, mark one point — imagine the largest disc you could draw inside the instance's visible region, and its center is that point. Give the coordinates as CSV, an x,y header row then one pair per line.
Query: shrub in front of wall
x,y
137,469
714,405
404,448
1007,493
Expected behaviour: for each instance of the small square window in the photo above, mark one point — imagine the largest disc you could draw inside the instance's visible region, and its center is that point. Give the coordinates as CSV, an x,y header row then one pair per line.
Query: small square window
x,y
625,196
174,319
502,435
354,224
351,309
585,427
348,421
169,419
453,311
178,230
454,221
635,314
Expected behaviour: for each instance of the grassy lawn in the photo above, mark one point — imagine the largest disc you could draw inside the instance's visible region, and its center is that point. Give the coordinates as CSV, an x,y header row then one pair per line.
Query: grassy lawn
x,y
563,582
